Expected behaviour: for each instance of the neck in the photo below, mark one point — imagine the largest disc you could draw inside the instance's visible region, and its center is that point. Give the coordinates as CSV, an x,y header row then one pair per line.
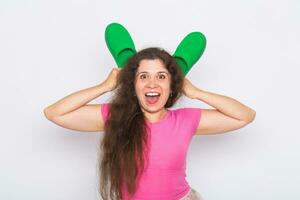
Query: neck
x,y
155,116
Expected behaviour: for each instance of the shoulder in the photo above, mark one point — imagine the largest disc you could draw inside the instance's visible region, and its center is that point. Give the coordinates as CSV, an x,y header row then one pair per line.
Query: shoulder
x,y
187,111
190,114
105,110
105,106
188,118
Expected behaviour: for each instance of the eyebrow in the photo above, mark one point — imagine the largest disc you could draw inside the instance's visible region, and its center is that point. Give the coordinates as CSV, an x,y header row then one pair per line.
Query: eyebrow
x,y
157,72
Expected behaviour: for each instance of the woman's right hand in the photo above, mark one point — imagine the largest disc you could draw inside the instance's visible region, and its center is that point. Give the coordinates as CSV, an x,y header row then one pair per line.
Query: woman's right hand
x,y
111,81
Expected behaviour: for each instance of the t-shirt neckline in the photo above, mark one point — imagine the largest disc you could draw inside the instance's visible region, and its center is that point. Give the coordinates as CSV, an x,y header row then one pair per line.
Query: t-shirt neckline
x,y
166,116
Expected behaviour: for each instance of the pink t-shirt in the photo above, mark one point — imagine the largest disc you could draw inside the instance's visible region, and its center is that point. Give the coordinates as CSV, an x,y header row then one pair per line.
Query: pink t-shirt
x,y
164,179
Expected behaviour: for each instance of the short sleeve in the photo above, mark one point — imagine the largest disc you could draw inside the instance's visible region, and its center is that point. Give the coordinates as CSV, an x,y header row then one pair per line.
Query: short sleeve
x,y
104,111
191,117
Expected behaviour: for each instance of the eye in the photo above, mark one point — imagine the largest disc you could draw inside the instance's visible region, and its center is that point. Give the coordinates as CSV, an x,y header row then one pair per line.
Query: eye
x,y
161,76
143,76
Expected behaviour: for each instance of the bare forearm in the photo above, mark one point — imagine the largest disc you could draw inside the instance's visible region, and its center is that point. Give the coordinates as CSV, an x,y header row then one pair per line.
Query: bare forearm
x,y
75,100
226,105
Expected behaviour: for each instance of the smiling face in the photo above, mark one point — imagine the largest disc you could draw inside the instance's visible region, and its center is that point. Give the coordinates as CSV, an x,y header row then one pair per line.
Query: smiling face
x,y
152,85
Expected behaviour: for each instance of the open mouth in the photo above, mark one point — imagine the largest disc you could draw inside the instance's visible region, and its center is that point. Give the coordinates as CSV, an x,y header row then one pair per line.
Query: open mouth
x,y
152,97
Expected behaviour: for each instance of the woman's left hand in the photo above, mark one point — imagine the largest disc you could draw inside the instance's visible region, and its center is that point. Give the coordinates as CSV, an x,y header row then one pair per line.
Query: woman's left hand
x,y
189,89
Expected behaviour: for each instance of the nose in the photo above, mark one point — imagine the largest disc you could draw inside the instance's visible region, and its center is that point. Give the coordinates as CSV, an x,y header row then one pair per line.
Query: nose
x,y
152,83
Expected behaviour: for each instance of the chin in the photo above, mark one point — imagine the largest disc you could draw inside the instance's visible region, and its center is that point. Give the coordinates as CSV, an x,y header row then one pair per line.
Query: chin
x,y
153,108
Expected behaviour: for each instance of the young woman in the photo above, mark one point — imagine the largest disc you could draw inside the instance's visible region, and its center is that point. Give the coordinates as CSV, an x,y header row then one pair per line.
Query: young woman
x,y
145,142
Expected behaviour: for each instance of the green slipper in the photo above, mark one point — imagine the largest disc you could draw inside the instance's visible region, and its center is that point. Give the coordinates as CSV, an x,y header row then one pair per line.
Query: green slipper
x,y
119,43
189,51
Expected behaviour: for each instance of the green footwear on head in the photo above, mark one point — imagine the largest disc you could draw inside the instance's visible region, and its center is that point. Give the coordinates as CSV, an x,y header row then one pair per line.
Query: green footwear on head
x,y
189,51
119,43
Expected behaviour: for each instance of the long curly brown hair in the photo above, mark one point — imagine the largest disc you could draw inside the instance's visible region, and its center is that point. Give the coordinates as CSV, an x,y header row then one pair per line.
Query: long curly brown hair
x,y
124,145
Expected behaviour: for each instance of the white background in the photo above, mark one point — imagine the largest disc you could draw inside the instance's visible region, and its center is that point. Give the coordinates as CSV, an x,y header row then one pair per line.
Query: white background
x,y
49,49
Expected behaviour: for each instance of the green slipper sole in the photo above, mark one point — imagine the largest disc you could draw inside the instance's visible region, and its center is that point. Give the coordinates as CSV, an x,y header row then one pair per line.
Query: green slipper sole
x,y
119,43
189,51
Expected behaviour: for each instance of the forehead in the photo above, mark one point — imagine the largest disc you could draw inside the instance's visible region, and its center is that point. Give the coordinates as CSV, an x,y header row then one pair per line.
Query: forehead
x,y
151,66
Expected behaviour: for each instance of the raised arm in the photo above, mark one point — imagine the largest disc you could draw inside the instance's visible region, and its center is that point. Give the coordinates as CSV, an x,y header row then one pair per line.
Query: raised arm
x,y
229,114
72,111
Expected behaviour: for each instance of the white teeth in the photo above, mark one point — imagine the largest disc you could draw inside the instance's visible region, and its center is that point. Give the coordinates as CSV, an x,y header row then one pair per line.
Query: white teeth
x,y
152,94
